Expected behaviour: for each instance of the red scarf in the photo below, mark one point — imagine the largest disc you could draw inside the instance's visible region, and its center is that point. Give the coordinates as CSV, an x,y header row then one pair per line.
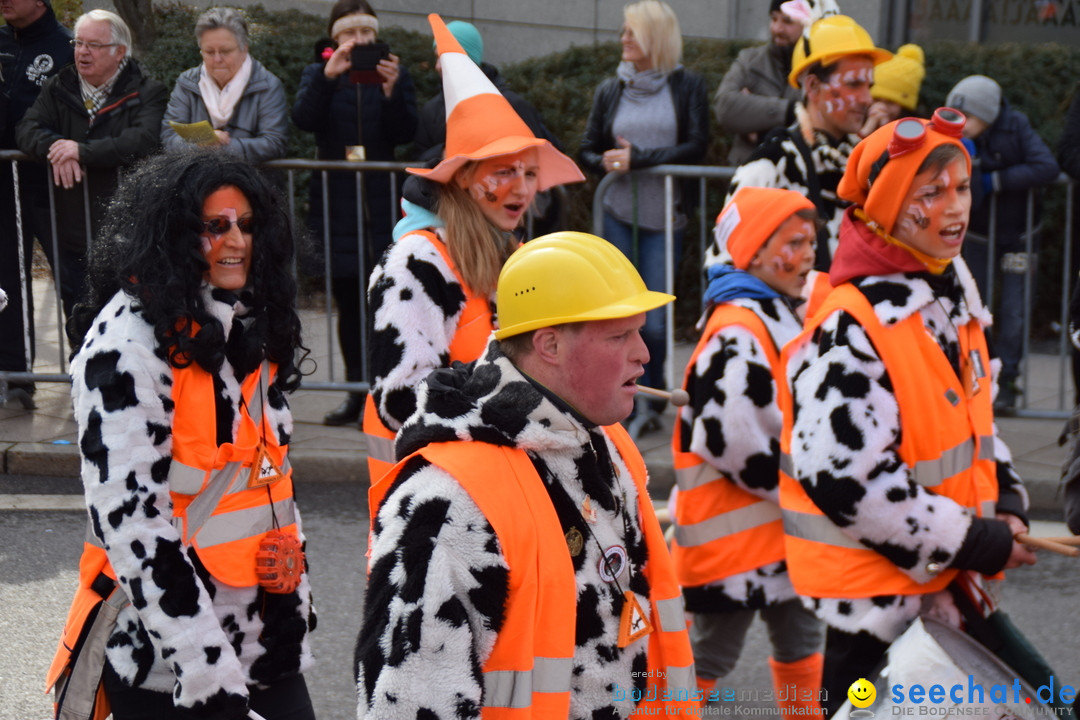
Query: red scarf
x,y
861,252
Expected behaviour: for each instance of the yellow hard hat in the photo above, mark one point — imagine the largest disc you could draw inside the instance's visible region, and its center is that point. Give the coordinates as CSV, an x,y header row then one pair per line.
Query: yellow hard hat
x,y
569,277
831,38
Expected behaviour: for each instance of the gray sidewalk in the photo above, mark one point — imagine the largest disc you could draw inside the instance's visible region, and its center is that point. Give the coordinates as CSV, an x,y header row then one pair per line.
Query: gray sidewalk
x,y
43,442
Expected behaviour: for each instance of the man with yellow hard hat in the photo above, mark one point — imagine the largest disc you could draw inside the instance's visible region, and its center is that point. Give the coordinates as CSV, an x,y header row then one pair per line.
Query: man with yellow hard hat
x,y
833,64
515,558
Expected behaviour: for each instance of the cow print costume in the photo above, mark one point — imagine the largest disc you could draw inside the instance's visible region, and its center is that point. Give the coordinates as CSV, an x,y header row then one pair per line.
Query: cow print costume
x,y
777,163
438,580
733,423
184,633
845,441
416,301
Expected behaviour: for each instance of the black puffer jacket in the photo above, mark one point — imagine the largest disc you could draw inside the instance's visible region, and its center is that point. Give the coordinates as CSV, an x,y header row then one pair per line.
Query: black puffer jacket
x,y
124,130
328,108
1016,159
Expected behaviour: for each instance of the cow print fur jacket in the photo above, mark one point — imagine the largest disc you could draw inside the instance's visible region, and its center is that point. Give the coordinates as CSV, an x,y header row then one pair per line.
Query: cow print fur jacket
x,y
777,163
416,301
733,423
438,579
184,633
850,466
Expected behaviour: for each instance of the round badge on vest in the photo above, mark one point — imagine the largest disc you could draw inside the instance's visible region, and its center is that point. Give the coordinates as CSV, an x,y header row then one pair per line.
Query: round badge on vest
x,y
613,564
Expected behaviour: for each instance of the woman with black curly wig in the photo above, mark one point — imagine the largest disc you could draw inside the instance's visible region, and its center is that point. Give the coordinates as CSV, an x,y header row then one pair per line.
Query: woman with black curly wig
x,y
193,597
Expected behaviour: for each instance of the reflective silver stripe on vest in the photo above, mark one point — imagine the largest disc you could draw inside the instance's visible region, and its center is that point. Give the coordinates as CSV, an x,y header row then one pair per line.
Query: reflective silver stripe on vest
x,y
953,461
240,524
787,466
681,677
185,479
729,523
989,508
817,528
91,538
670,614
76,693
380,448
696,476
514,688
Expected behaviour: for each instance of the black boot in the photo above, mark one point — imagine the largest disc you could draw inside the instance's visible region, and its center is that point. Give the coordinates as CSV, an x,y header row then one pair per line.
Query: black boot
x,y
347,412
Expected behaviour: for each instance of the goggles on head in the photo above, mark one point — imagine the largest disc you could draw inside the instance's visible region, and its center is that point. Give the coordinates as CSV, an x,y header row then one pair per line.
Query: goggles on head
x,y
910,134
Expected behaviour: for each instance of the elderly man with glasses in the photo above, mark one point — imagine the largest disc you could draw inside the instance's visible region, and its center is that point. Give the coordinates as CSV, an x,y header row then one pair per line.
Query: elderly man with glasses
x,y
90,120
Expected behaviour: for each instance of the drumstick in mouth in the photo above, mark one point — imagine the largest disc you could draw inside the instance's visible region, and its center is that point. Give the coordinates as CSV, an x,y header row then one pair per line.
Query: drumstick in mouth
x,y
677,397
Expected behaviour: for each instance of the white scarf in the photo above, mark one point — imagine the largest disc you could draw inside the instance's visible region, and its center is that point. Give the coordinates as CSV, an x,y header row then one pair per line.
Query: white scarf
x,y
220,102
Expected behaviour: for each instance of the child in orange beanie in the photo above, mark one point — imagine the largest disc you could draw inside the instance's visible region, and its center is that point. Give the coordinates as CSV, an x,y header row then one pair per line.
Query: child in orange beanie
x,y
728,545
897,484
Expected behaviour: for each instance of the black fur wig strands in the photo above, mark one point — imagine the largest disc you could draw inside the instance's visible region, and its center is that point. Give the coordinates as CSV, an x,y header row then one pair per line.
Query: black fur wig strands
x,y
150,248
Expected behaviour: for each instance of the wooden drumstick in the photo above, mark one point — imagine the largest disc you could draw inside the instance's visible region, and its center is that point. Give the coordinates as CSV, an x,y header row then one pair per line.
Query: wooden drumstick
x,y
678,397
1047,544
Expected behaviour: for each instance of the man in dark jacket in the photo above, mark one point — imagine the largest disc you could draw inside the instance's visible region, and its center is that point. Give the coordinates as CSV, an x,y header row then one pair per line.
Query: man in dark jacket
x,y
755,96
1011,160
33,47
89,122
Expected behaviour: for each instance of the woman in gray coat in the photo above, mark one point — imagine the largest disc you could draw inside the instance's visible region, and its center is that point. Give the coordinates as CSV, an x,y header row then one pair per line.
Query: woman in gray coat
x,y
242,101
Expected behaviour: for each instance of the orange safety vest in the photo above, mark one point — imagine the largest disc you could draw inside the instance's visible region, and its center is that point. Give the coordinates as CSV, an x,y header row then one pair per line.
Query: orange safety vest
x,y
720,528
817,289
947,443
529,671
474,326
221,507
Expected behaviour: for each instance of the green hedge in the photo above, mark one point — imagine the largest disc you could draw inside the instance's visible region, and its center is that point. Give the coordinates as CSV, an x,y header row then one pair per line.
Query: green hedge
x,y
1037,79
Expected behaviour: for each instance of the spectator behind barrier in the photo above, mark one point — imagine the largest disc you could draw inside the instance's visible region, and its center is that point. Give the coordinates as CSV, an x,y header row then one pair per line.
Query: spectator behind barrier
x,y
896,88
1011,160
654,111
754,96
34,46
376,116
106,112
241,101
1068,158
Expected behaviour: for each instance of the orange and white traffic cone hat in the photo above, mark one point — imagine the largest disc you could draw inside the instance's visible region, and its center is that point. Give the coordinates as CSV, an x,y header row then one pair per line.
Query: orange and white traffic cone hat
x,y
481,124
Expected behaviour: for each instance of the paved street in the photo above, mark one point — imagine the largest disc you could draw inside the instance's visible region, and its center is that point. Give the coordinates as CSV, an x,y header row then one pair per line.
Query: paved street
x,y
39,554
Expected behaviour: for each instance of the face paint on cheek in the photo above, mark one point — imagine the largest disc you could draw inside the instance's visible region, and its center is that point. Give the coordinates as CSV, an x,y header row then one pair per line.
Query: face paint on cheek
x,y
918,216
209,239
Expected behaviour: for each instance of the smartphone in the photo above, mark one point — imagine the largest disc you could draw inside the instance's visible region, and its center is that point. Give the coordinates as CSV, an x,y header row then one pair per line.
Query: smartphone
x,y
365,61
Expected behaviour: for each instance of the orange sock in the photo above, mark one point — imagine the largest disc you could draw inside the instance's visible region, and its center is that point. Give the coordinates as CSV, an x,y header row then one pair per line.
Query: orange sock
x,y
798,683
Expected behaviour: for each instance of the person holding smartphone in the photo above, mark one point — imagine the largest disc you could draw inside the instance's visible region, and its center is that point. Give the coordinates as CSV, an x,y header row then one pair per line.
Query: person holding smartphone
x,y
378,114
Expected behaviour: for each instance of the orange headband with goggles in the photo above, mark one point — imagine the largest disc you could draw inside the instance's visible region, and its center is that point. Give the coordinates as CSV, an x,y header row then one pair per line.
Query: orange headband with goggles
x,y
882,167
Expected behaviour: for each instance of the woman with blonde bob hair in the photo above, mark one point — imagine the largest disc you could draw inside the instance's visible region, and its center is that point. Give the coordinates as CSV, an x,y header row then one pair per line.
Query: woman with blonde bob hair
x,y
431,296
653,112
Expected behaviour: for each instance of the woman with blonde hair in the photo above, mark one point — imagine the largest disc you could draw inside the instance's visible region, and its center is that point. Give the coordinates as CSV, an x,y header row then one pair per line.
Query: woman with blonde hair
x,y
653,112
431,296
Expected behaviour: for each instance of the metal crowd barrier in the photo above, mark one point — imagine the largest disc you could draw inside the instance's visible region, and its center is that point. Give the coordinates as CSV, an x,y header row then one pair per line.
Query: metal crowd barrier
x,y
704,173
289,166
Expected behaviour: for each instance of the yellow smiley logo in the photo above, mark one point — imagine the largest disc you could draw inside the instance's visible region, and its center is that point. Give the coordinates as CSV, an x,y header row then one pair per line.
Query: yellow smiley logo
x,y
862,693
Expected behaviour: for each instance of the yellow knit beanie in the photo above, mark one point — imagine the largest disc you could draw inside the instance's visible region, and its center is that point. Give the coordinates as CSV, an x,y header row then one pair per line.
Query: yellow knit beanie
x,y
899,79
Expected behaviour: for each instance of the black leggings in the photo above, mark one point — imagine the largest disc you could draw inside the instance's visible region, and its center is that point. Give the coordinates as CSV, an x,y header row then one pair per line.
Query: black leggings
x,y
287,699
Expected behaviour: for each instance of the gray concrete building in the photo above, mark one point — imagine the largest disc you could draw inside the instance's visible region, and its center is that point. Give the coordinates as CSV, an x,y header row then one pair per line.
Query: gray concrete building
x,y
515,30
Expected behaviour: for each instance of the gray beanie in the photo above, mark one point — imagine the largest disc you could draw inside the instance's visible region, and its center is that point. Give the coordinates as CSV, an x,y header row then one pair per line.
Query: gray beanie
x,y
976,95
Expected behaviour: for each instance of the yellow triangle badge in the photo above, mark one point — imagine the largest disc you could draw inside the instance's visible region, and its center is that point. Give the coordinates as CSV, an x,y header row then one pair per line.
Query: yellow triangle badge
x,y
633,624
263,470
